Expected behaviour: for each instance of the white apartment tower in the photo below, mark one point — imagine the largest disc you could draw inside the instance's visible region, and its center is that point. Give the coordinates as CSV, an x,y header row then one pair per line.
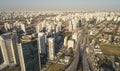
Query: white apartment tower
x,y
65,41
59,27
51,47
11,47
4,62
70,26
23,27
74,24
75,36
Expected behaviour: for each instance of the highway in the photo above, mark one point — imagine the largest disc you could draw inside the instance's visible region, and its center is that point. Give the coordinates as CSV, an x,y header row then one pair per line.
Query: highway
x,y
74,65
85,64
83,45
84,58
80,52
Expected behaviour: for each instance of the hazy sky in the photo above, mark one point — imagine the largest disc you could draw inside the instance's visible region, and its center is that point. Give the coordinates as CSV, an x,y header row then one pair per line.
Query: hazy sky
x,y
60,5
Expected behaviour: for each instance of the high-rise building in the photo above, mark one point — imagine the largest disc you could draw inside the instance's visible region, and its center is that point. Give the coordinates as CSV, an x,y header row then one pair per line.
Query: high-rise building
x,y
41,43
23,27
79,23
10,40
75,36
70,26
51,47
20,52
29,56
58,27
74,24
37,27
4,62
65,41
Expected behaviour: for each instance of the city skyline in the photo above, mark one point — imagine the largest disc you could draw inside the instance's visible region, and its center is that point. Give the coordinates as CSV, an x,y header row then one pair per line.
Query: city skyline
x,y
107,5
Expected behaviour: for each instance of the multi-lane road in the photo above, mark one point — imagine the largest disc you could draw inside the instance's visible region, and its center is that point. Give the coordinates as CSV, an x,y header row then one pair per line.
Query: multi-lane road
x,y
83,44
74,65
80,53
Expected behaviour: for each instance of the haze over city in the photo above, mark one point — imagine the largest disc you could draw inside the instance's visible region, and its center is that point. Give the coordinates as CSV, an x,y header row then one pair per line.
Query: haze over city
x,y
107,5
59,35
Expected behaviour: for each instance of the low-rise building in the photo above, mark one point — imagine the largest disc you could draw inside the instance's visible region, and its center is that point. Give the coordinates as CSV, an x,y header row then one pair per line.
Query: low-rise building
x,y
66,60
97,49
71,43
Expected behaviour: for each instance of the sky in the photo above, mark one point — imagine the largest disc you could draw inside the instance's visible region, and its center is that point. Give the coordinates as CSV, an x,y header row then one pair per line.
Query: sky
x,y
60,5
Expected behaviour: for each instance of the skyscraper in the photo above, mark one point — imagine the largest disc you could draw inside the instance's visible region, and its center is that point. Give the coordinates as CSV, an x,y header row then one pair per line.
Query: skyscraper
x,y
51,47
74,23
3,55
65,41
20,52
58,27
41,43
23,27
75,36
10,40
70,26
29,57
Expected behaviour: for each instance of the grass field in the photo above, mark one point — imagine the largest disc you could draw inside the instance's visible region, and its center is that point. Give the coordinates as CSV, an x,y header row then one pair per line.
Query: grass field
x,y
56,67
110,49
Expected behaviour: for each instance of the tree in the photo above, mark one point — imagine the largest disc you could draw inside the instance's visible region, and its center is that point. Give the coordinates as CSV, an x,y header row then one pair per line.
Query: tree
x,y
61,70
71,52
62,56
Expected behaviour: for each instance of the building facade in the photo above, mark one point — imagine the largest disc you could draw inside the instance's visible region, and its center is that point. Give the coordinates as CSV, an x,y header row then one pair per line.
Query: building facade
x,y
51,47
29,56
41,43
